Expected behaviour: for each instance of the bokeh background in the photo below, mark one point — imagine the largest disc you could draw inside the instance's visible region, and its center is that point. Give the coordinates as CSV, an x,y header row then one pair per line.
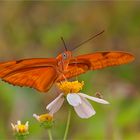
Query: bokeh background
x,y
33,29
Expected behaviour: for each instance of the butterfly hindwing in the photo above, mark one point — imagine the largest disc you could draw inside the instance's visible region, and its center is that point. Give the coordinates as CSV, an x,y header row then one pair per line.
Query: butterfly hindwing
x,y
73,70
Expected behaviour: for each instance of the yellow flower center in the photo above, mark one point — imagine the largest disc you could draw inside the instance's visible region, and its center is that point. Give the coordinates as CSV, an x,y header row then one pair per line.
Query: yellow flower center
x,y
45,117
70,87
22,128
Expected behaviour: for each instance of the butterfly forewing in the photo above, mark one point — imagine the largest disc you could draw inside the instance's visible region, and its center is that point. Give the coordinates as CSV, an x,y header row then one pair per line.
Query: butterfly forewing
x,y
101,60
37,73
11,66
95,61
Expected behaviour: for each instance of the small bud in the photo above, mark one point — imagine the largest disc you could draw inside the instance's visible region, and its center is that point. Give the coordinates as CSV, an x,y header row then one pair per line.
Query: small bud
x,y
46,120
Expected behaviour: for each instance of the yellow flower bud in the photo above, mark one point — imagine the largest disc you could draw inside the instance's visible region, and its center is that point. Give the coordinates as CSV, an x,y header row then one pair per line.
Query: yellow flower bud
x,y
45,117
46,120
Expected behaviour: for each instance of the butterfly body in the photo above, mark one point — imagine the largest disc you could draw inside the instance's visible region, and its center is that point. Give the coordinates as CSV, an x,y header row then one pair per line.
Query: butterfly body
x,y
42,73
63,61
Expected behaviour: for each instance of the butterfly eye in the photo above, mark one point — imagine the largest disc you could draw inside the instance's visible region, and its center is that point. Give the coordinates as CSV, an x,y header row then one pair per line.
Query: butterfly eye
x,y
64,55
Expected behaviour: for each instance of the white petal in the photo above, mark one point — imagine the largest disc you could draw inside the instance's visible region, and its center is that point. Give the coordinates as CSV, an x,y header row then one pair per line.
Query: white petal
x,y
17,128
74,99
27,124
36,116
98,100
19,122
56,104
13,126
84,110
54,101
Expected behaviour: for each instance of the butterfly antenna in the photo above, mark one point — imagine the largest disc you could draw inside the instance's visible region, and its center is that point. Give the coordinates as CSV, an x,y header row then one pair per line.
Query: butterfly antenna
x,y
64,43
87,40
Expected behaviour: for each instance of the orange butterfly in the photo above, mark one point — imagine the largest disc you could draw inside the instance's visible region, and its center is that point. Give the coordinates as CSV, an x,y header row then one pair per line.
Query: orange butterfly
x,y
41,73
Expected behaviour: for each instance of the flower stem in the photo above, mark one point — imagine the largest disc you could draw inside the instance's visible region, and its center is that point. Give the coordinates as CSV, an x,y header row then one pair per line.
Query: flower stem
x,y
50,134
67,125
20,138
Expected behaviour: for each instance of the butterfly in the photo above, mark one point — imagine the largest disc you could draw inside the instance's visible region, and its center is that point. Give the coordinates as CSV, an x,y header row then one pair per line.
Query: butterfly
x,y
42,73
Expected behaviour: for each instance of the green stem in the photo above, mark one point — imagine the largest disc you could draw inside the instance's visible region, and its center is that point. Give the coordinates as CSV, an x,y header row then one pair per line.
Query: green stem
x,y
50,134
67,125
20,138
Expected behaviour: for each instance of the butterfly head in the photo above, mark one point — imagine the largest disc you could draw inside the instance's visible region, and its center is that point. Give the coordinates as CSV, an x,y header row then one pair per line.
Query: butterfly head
x,y
66,55
63,60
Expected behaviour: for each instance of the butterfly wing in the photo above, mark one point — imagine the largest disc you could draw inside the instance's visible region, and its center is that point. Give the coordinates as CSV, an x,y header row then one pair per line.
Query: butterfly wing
x,y
101,60
38,73
95,61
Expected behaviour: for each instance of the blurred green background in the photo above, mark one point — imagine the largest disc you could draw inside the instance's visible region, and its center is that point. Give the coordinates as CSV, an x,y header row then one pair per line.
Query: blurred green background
x,y
33,29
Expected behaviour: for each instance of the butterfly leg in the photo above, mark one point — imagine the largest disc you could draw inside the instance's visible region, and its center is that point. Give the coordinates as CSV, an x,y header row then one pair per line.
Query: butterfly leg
x,y
61,75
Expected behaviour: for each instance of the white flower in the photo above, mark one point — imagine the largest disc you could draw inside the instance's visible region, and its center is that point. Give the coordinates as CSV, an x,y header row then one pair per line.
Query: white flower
x,y
20,128
78,100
